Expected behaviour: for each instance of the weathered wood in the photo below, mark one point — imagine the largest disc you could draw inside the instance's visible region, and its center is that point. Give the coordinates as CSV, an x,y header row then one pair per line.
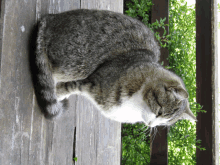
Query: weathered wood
x,y
159,144
16,98
26,137
100,137
206,78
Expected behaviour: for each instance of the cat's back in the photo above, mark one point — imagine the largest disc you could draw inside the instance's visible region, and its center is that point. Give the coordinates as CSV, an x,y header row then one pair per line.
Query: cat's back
x,y
97,31
86,38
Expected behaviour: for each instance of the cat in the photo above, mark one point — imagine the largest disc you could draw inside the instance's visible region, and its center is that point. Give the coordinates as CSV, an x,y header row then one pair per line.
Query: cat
x,y
112,59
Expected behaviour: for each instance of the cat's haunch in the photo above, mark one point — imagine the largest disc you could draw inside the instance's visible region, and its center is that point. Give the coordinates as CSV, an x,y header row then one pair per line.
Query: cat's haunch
x,y
112,59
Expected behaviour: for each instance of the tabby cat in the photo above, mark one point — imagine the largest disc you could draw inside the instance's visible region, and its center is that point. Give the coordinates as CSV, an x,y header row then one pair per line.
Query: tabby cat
x,y
112,59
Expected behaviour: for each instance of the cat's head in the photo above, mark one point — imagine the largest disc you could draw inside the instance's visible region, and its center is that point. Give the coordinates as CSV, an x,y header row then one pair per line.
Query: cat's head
x,y
167,99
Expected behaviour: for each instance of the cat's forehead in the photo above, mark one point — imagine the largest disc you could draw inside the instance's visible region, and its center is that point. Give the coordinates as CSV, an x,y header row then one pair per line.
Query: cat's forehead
x,y
160,75
170,79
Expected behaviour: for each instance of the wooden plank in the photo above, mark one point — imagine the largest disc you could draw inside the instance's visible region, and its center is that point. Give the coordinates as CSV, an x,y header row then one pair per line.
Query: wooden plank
x,y
61,132
159,144
98,139
26,137
206,78
15,111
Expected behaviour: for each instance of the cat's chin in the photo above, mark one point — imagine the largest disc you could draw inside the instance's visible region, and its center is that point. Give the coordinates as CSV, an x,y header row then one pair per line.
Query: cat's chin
x,y
158,122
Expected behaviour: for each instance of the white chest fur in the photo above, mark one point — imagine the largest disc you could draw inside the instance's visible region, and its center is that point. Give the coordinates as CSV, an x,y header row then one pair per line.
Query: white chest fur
x,y
131,110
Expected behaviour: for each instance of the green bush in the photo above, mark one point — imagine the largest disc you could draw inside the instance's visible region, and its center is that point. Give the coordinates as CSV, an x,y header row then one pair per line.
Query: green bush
x,y
182,60
135,145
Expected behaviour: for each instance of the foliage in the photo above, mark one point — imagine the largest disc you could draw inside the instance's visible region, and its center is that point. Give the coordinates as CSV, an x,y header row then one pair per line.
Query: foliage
x,y
136,145
140,9
180,42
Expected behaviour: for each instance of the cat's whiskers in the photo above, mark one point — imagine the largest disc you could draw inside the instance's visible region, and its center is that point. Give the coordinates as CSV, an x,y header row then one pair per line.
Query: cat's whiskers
x,y
146,131
164,127
144,127
155,132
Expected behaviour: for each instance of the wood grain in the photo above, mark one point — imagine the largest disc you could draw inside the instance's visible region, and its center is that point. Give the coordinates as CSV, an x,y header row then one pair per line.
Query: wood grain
x,y
26,137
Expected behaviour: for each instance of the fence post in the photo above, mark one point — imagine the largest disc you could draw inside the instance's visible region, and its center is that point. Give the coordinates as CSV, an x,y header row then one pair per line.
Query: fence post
x,y
159,145
206,81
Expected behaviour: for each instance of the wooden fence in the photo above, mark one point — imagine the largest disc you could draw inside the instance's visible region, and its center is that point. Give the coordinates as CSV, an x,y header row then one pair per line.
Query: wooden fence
x,y
26,138
206,79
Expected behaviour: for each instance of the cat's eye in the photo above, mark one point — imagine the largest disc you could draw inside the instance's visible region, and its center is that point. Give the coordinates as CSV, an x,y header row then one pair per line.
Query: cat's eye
x,y
159,114
175,110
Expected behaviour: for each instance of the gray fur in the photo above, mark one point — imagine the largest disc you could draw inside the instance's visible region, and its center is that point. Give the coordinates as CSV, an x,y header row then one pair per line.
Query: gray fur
x,y
108,57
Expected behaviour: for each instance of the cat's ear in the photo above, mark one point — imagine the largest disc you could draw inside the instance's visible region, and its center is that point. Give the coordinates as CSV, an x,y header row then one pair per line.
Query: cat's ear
x,y
179,90
182,92
188,114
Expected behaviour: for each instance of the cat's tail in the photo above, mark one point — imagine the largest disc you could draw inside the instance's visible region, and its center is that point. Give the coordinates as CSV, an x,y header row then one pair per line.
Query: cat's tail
x,y
45,85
